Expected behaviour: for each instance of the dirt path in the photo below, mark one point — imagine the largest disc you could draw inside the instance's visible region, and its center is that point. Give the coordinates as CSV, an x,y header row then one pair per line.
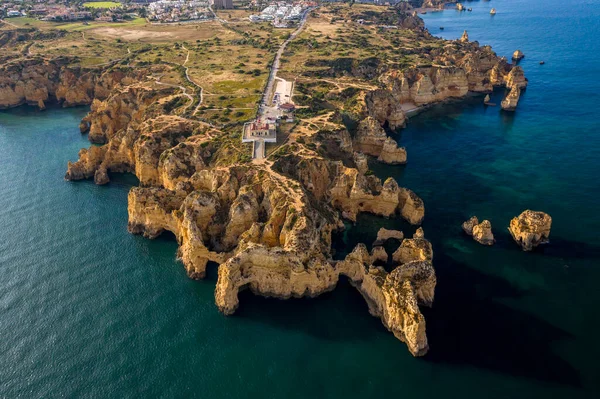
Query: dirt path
x,y
187,76
8,23
182,88
283,181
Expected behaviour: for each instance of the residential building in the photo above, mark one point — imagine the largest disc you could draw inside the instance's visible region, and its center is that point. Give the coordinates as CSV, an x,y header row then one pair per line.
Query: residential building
x,y
222,4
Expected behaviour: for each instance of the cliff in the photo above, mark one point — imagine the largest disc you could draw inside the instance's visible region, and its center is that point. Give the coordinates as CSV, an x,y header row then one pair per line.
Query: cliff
x,y
394,297
269,224
37,81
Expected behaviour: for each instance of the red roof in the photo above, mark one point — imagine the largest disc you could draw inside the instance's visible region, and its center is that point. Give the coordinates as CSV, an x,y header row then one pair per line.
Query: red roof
x,y
288,106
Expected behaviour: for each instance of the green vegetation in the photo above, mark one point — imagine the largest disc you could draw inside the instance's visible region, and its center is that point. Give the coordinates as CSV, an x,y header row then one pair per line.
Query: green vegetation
x,y
79,26
102,4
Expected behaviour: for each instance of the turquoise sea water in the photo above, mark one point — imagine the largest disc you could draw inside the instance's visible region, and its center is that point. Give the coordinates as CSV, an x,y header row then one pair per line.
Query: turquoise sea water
x,y
88,310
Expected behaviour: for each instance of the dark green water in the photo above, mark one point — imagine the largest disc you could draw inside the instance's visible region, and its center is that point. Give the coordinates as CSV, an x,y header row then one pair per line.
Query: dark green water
x,y
88,310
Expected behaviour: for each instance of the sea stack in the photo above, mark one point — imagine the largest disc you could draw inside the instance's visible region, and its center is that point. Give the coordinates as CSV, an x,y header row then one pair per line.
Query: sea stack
x,y
465,37
512,99
487,99
460,7
481,232
530,229
518,55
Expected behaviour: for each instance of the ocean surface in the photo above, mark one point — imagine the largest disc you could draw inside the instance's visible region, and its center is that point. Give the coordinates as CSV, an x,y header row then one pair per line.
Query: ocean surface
x,y
88,310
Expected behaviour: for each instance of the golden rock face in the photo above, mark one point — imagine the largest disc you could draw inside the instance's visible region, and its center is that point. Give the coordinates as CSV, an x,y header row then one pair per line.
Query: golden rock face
x,y
530,229
481,232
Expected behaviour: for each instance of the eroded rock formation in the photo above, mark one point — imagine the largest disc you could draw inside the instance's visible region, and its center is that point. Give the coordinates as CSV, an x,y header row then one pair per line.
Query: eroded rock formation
x,y
384,234
36,81
518,55
414,249
372,139
394,296
481,232
511,100
269,225
530,229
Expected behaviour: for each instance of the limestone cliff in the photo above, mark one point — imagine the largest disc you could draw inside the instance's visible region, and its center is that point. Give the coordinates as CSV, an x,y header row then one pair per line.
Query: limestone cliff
x,y
372,139
269,224
37,81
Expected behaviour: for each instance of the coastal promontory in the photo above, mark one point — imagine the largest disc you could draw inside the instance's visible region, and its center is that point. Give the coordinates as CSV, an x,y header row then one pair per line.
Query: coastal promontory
x,y
175,111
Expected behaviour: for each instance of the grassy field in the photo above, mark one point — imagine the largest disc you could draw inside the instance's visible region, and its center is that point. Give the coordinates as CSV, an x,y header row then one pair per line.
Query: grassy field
x,y
334,42
229,61
26,22
102,4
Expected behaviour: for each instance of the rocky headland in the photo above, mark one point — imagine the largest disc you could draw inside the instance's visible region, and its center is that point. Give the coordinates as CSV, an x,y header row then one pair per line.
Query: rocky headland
x,y
269,224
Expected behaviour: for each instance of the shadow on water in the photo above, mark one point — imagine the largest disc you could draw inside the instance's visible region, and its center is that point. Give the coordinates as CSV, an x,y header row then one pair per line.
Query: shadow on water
x,y
340,315
467,326
558,247
568,249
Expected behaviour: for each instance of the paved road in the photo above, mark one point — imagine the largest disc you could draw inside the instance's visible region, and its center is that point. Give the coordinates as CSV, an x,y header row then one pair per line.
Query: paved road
x,y
268,93
259,149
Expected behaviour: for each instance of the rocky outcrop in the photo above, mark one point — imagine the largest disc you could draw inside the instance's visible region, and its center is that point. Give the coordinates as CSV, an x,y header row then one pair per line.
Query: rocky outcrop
x,y
353,193
511,100
394,296
530,229
379,255
30,82
426,85
391,153
465,37
516,78
371,139
432,3
481,232
518,55
450,71
267,235
361,162
414,249
383,106
37,81
271,272
140,145
469,224
384,234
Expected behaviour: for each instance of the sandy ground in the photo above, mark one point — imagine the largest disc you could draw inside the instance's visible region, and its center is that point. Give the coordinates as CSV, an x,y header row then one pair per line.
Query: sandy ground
x,y
284,89
161,33
132,34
